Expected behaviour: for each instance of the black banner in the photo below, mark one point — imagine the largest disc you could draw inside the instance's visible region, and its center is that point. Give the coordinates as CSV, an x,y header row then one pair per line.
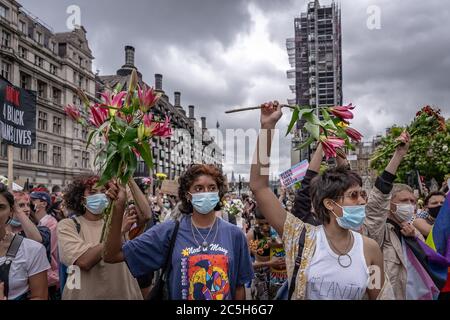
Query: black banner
x,y
17,116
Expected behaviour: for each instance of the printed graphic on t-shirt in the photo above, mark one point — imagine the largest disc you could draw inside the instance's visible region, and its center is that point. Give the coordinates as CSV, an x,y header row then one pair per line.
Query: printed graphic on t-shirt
x,y
277,274
204,276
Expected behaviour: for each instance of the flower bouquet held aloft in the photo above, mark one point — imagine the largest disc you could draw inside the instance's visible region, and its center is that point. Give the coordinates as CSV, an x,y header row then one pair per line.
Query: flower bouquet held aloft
x,y
124,126
160,177
332,132
428,122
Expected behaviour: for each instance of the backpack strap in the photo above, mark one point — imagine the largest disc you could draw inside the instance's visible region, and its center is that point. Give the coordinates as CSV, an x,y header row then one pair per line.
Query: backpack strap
x,y
298,261
14,247
77,224
10,255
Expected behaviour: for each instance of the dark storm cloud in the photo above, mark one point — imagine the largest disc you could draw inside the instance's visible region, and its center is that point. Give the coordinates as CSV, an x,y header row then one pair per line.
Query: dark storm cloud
x,y
199,47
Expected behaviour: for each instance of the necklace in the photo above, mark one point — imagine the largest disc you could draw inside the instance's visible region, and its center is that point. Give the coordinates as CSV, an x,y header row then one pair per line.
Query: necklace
x,y
204,243
342,254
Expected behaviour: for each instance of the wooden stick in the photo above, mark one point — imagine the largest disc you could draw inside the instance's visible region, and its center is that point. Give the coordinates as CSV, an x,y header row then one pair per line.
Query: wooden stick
x,y
255,108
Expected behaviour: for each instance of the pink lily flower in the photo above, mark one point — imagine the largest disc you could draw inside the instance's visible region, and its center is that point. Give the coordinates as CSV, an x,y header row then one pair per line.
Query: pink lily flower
x,y
73,112
163,130
115,101
98,115
330,145
159,129
147,98
355,135
342,112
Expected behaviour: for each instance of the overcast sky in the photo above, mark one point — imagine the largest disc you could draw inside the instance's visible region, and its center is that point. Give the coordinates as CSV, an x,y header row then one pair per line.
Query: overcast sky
x,y
224,54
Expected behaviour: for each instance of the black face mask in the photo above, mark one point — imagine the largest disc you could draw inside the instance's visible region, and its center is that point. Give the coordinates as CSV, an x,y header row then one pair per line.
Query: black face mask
x,y
434,211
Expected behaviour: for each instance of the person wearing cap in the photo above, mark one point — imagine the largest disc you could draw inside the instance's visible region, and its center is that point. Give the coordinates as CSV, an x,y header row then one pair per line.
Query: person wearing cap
x,y
41,201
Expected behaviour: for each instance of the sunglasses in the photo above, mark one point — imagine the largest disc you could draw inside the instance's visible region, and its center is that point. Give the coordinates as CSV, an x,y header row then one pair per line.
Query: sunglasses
x,y
23,205
354,195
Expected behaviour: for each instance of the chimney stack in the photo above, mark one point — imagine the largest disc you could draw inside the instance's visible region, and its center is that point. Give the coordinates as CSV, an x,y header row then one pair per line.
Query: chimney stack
x,y
191,112
177,99
158,82
203,123
129,56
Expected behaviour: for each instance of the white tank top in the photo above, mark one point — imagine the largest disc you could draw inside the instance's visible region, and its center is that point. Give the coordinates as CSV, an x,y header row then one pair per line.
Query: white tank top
x,y
327,280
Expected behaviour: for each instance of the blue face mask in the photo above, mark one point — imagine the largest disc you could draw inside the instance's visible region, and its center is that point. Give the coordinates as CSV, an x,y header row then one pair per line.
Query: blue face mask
x,y
97,203
352,217
205,202
15,223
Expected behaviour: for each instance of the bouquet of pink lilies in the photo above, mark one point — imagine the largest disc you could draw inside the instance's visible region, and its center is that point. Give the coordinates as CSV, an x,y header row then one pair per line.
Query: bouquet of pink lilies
x,y
125,125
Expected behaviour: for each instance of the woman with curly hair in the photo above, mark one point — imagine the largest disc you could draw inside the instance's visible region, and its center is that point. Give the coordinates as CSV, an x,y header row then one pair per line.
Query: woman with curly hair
x,y
89,277
327,262
210,259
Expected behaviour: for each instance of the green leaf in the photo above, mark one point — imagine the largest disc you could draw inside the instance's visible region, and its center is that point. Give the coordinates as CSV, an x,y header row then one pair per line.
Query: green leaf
x,y
111,170
312,117
118,88
300,113
329,124
146,154
91,136
293,120
120,122
127,140
306,143
325,114
313,129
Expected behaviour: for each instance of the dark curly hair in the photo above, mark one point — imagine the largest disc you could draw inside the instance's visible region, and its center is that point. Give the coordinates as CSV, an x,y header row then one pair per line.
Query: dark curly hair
x,y
74,193
332,184
188,178
7,194
433,194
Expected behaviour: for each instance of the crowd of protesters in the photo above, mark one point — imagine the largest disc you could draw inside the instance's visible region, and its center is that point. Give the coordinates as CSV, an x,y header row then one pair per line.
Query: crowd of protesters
x,y
326,239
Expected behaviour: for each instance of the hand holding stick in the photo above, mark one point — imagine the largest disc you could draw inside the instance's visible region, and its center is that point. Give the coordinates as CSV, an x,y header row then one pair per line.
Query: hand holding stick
x,y
256,108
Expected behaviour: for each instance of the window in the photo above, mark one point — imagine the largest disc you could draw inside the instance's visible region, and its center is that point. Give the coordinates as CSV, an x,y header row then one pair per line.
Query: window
x,y
80,82
42,121
25,155
75,77
23,53
3,150
6,39
42,89
57,156
23,27
6,70
57,124
85,160
3,11
76,156
39,37
84,133
42,153
56,95
53,69
25,81
38,61
76,131
53,46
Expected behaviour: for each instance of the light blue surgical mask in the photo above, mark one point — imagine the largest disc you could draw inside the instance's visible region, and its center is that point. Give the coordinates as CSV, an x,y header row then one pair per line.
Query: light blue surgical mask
x,y
97,203
352,217
205,202
15,223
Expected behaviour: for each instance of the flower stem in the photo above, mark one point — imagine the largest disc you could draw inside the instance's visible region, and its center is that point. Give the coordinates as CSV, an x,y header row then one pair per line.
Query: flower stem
x,y
106,226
